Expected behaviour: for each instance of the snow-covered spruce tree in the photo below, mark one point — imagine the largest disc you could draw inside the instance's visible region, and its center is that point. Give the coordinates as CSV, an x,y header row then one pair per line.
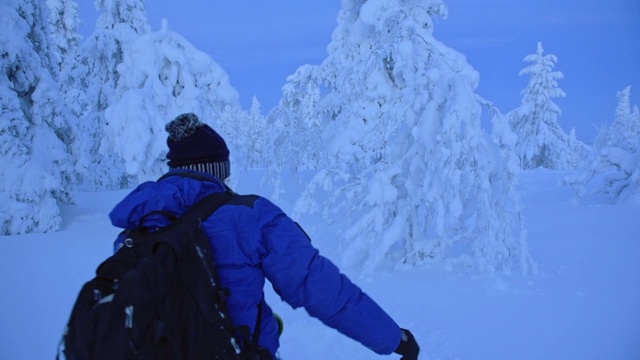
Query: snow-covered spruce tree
x,y
65,38
581,153
252,134
541,140
94,78
409,173
625,129
162,75
296,127
615,168
64,22
505,194
36,174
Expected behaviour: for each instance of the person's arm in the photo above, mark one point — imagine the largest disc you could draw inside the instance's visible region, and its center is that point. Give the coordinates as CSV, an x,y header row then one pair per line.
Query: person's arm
x,y
304,278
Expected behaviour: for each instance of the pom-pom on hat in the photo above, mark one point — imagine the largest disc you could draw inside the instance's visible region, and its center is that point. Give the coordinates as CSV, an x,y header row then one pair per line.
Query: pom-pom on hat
x,y
196,146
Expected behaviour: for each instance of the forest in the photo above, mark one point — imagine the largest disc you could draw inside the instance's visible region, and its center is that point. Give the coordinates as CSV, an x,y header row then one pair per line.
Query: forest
x,y
384,135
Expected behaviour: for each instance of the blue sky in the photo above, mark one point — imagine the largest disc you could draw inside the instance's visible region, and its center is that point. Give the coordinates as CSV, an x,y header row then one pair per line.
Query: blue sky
x,y
259,44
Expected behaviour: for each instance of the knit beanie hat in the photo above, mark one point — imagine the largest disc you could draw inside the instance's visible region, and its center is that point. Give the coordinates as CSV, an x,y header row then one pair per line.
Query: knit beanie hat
x,y
196,146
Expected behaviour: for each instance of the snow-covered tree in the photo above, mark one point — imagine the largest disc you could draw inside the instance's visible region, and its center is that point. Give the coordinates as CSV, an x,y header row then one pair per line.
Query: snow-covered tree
x,y
120,22
541,140
615,168
580,152
36,174
64,22
252,134
295,140
410,175
504,198
65,39
625,128
94,77
162,75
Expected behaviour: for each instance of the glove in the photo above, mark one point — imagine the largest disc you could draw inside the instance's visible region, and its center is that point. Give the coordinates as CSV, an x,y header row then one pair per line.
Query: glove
x,y
408,347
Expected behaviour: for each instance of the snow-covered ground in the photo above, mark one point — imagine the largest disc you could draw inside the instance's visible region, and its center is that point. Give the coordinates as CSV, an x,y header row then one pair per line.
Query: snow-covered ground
x,y
584,304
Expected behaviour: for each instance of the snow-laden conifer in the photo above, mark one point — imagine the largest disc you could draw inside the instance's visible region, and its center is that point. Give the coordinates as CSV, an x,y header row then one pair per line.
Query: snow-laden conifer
x,y
36,174
94,78
504,198
162,75
64,22
615,167
294,143
252,132
541,140
410,176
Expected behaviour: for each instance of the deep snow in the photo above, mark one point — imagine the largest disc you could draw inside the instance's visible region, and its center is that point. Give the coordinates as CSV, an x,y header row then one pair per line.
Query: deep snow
x,y
584,304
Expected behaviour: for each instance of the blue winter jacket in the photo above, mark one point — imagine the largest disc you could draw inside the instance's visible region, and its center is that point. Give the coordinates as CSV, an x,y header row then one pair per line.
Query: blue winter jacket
x,y
252,239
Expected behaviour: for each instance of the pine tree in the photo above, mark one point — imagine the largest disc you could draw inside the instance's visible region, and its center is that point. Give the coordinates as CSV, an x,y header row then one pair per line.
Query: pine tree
x,y
296,128
64,22
120,22
409,173
504,198
94,78
36,176
162,75
541,140
253,135
65,40
615,167
625,129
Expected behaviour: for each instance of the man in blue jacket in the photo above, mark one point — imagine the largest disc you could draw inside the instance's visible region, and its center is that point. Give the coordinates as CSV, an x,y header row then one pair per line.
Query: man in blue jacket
x,y
253,240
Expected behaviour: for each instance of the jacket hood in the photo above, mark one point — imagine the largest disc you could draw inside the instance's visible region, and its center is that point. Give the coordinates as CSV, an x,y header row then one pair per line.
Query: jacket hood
x,y
173,194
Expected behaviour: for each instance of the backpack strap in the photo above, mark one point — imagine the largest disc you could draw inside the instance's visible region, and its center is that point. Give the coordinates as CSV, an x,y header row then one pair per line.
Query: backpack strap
x,y
199,212
207,206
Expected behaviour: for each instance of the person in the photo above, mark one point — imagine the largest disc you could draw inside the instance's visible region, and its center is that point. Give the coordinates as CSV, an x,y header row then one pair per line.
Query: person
x,y
253,240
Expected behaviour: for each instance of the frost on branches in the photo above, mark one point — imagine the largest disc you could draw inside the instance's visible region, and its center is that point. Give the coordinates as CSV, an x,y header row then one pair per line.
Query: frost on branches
x,y
541,141
408,173
615,167
36,175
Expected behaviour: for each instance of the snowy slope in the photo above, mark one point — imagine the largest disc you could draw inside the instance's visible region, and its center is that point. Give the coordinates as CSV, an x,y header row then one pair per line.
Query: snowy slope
x,y
584,304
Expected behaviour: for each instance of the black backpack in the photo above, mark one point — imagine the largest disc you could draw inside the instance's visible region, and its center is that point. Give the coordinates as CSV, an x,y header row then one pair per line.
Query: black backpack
x,y
158,297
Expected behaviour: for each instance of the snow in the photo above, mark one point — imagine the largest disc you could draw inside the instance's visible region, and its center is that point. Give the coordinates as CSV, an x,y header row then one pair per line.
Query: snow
x,y
391,168
583,304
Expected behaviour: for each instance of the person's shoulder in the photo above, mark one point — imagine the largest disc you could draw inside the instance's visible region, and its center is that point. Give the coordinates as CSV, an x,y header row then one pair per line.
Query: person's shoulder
x,y
244,200
257,203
